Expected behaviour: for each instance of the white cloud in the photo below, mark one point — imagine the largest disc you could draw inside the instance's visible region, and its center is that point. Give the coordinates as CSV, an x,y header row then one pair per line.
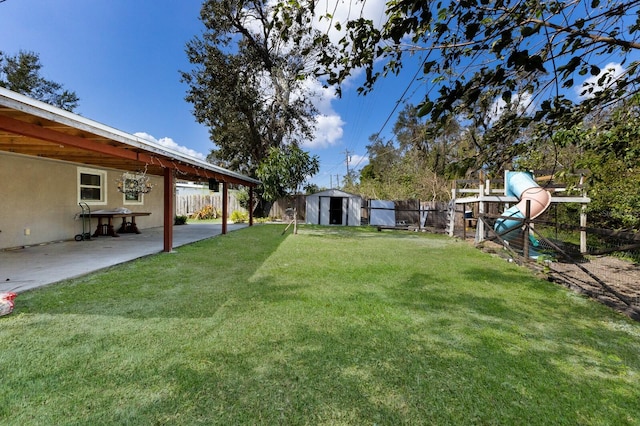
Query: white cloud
x,y
329,124
524,104
343,11
328,132
612,69
358,161
171,144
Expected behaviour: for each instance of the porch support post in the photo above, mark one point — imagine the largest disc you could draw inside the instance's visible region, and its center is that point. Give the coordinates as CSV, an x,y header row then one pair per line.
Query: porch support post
x,y
225,206
168,210
251,206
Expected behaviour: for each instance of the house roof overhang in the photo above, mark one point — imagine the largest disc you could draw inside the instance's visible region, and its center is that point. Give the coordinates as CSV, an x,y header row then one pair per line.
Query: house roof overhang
x,y
34,128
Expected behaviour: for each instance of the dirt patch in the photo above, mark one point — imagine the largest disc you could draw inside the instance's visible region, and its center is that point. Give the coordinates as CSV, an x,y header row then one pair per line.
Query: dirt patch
x,y
610,280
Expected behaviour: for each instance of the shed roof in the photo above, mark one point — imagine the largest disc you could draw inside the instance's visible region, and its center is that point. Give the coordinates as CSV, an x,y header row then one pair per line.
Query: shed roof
x,y
32,127
334,193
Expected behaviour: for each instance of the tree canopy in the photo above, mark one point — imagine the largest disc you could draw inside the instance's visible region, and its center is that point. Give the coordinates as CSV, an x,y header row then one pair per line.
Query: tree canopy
x,y
21,73
608,146
246,84
285,170
478,51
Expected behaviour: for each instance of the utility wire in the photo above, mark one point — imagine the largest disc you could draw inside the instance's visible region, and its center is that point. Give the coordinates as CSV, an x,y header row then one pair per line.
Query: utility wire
x,y
397,104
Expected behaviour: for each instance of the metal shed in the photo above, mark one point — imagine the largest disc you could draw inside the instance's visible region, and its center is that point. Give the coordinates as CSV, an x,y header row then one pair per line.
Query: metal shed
x,y
333,207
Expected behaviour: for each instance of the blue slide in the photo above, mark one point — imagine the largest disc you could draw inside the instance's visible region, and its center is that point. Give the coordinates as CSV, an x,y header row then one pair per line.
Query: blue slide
x,y
522,186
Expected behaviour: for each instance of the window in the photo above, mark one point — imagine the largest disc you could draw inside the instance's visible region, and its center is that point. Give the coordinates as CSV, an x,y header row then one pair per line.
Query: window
x,y
92,186
129,198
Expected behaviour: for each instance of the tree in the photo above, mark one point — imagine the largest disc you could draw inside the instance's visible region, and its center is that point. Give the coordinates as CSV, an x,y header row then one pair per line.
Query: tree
x,y
21,73
498,51
607,144
404,168
611,151
284,171
247,85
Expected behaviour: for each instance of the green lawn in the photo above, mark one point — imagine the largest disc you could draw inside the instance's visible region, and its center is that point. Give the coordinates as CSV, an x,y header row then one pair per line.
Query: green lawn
x,y
331,326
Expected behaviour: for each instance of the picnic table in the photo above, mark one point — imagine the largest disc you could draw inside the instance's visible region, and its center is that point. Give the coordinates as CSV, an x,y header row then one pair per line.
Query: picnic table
x,y
110,215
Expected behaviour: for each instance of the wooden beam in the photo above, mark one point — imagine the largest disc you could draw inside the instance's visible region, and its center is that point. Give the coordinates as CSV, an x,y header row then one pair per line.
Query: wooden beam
x,y
168,210
109,148
250,206
225,207
38,132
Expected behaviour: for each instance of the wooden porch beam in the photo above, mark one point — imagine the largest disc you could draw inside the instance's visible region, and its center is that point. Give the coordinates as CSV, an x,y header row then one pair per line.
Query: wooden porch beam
x,y
168,210
35,131
250,206
225,207
39,132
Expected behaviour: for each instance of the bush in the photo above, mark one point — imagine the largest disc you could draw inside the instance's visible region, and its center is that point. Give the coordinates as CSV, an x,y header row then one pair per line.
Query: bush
x,y
239,217
207,212
180,220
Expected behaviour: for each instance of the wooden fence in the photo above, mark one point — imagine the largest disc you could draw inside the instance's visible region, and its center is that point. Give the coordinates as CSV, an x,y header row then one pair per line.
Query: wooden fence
x,y
187,205
406,211
283,208
420,214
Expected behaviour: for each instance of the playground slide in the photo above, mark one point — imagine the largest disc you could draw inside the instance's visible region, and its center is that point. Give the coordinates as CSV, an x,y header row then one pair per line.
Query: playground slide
x,y
524,187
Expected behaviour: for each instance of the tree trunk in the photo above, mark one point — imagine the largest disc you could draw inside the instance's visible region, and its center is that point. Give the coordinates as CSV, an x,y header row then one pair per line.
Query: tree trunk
x,y
263,208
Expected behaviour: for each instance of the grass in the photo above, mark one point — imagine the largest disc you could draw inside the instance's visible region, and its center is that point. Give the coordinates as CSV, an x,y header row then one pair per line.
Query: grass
x,y
332,326
216,220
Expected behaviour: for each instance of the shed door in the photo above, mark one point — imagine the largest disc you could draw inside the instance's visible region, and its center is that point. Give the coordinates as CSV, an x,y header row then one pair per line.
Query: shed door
x,y
335,210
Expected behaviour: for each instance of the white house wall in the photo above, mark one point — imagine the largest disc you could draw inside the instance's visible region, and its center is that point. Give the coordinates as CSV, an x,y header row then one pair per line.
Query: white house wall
x,y
39,201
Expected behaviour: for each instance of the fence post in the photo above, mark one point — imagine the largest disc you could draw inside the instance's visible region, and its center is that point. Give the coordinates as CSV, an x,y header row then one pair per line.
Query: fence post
x,y
583,228
481,211
525,234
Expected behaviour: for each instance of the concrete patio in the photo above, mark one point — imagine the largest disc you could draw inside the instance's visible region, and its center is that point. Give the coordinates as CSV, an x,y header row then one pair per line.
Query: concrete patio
x,y
35,266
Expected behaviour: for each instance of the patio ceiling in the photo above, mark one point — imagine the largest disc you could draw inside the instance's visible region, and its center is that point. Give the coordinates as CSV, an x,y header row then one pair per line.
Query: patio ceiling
x,y
34,128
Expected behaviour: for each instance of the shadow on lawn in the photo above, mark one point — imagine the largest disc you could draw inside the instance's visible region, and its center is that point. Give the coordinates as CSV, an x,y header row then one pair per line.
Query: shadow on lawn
x,y
194,282
413,369
532,353
488,348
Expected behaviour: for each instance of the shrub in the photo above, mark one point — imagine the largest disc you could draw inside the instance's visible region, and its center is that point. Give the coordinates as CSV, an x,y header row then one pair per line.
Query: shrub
x,y
180,220
207,212
239,217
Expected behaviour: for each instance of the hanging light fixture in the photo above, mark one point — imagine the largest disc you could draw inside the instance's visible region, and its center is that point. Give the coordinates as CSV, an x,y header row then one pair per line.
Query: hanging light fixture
x,y
131,183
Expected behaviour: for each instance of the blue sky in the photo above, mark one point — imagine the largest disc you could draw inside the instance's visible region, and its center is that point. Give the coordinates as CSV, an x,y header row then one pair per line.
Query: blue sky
x,y
123,57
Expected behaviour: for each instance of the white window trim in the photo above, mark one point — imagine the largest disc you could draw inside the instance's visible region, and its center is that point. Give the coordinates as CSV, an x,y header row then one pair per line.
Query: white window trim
x,y
138,202
103,186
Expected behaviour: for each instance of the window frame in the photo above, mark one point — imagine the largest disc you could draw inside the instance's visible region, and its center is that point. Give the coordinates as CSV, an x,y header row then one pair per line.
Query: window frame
x,y
139,201
102,187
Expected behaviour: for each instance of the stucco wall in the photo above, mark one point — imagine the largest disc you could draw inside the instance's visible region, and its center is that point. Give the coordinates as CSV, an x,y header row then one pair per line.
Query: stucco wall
x,y
39,197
